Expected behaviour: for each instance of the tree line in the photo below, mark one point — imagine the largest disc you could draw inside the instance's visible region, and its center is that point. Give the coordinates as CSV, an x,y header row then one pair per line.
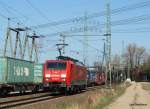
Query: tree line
x,y
133,63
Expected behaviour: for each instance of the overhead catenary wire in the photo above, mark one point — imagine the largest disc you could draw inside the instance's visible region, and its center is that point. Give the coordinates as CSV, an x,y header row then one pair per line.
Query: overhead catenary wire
x,y
41,14
113,12
6,18
13,11
81,41
128,21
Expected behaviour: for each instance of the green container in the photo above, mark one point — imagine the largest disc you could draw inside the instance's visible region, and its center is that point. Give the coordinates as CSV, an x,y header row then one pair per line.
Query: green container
x,y
38,73
14,71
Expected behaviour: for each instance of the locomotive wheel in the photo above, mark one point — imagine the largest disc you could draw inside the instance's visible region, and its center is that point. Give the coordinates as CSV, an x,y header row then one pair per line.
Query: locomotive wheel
x,y
22,90
36,89
66,93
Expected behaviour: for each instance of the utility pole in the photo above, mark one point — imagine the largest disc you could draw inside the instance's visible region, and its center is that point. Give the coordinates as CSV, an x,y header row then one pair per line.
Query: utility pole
x,y
108,39
123,61
104,61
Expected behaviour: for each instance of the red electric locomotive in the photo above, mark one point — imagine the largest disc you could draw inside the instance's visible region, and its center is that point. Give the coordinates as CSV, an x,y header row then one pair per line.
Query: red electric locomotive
x,y
65,74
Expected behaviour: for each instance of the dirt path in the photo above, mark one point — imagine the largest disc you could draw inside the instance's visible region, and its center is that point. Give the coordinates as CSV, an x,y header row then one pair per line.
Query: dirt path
x,y
134,98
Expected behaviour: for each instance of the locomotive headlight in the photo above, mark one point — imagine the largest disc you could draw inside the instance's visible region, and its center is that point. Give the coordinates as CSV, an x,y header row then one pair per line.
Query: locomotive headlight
x,y
47,75
63,75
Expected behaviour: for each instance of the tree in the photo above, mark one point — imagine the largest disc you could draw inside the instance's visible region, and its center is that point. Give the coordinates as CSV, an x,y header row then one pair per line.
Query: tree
x,y
139,55
135,58
131,50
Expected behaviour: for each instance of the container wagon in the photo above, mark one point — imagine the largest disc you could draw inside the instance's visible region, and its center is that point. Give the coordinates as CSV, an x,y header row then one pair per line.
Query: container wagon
x,y
38,77
18,75
65,75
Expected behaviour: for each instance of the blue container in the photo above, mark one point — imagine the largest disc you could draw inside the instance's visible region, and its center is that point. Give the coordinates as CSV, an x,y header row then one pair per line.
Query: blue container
x,y
91,77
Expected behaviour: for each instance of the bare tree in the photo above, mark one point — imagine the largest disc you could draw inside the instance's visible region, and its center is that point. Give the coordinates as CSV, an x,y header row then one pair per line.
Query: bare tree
x,y
135,58
130,53
139,55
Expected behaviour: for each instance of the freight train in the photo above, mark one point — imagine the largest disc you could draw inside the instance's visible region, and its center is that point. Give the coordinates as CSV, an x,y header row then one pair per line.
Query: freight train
x,y
65,74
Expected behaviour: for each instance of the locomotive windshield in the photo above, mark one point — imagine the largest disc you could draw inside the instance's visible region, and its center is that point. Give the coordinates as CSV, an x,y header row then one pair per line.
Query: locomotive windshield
x,y
56,66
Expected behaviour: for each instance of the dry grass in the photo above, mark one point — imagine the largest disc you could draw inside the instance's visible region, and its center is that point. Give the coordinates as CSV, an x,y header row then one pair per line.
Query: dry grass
x,y
85,100
96,99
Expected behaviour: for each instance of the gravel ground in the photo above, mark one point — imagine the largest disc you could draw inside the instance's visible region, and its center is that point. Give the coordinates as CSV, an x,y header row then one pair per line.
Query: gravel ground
x,y
135,97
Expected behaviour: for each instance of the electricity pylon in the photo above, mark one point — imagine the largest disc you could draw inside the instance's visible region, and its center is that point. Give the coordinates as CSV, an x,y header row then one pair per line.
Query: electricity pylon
x,y
18,41
34,47
108,39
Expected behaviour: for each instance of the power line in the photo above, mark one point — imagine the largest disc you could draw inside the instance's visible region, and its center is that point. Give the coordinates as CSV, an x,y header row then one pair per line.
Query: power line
x,y
128,21
3,16
37,10
6,18
12,10
88,45
113,12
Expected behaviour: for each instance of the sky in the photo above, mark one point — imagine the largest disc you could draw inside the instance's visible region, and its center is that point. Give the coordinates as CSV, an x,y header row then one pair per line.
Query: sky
x,y
130,25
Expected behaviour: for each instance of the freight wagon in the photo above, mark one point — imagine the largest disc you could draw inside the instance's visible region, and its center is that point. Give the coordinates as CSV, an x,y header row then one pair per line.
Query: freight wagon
x,y
100,78
91,77
65,75
19,75
95,78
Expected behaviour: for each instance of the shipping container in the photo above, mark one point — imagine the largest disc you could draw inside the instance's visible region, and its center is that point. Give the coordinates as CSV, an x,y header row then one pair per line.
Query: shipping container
x,y
19,75
91,76
38,73
16,71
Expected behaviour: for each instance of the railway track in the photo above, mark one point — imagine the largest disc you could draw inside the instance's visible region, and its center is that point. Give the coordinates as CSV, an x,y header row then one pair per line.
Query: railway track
x,y
12,102
26,101
95,88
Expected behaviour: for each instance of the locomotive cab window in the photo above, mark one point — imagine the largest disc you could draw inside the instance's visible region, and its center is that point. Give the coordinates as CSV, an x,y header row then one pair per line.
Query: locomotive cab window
x,y
56,66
